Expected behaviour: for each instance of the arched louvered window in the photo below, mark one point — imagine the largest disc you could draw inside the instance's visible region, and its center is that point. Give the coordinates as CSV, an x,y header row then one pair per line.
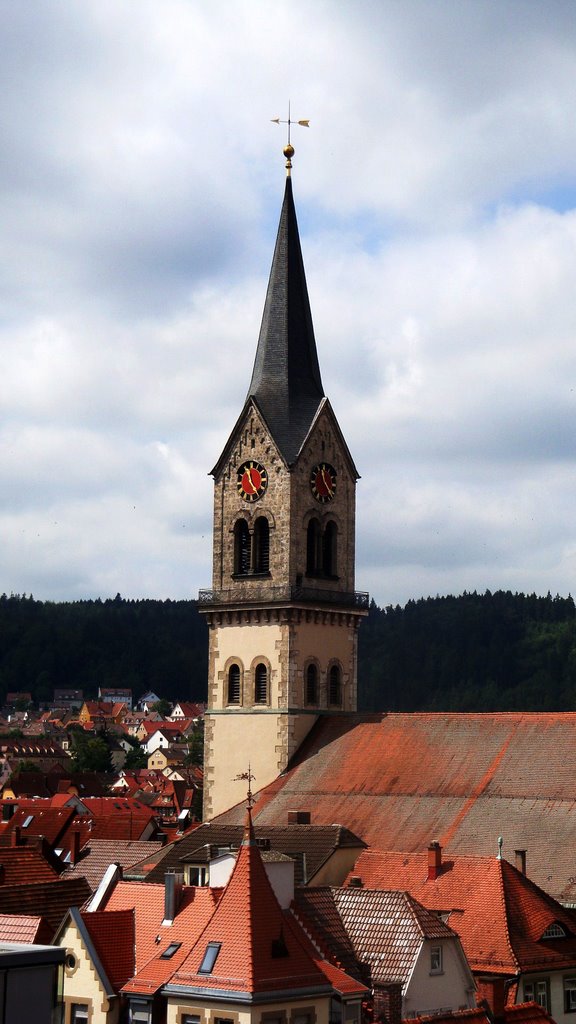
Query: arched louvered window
x,y
335,686
261,545
261,684
329,549
234,684
311,684
241,548
313,548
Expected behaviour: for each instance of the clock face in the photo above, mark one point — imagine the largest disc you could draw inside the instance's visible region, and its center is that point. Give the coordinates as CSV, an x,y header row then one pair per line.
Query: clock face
x,y
323,482
252,481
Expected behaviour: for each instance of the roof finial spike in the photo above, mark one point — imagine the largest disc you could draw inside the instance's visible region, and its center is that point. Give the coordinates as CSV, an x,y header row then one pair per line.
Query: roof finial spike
x,y
500,845
289,148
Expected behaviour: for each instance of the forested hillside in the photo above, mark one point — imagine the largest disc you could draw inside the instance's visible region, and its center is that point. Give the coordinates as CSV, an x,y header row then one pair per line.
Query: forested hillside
x,y
477,652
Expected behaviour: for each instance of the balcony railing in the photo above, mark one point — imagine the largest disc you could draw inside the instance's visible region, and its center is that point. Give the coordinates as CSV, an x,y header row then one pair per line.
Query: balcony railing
x,y
247,595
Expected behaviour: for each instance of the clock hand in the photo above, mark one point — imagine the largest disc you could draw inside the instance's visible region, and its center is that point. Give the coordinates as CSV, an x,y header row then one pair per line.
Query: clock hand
x,y
325,481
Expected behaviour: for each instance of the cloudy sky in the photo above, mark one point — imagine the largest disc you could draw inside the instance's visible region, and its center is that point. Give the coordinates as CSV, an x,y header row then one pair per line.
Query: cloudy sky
x,y
140,185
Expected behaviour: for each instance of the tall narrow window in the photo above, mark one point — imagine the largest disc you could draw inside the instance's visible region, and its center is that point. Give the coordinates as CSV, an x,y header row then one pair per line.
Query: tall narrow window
x,y
234,684
261,545
261,684
335,686
329,550
312,684
241,548
313,548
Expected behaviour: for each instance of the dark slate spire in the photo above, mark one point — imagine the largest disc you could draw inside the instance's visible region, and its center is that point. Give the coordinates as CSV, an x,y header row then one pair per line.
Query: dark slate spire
x,y
286,382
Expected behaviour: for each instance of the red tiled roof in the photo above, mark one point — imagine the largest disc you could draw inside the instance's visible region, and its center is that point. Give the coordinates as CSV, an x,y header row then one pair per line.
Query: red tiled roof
x,y
400,780
18,864
16,928
249,928
499,913
520,1013
147,901
49,899
113,935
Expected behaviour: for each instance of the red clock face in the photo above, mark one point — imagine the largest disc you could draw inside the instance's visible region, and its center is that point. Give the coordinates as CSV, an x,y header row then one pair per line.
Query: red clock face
x,y
252,481
323,482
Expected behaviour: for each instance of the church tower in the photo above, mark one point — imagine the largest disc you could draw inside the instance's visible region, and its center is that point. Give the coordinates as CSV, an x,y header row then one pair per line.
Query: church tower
x,y
282,613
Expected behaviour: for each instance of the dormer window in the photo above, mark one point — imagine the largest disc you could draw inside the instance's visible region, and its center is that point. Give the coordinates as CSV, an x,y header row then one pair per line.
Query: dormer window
x,y
209,958
555,931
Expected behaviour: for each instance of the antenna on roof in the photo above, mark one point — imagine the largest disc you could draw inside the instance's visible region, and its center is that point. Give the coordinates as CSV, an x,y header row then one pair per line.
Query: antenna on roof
x,y
500,845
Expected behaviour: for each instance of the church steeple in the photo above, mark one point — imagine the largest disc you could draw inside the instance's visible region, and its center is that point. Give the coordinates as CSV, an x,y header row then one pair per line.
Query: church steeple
x,y
286,382
283,614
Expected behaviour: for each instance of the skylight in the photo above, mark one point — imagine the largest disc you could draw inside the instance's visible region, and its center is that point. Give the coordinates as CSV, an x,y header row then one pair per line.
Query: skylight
x,y
209,959
170,950
28,820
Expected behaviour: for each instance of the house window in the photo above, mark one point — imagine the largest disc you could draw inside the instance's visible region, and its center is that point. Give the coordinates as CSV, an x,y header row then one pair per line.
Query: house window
x,y
223,1020
234,684
170,950
335,686
538,992
209,958
312,684
570,995
79,1013
190,1018
260,684
197,875
554,931
352,1012
140,1012
436,960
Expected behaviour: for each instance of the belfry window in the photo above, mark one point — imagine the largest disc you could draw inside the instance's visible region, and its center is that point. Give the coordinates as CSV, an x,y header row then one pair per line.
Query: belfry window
x,y
261,684
321,547
313,548
335,686
312,684
261,545
241,548
329,550
234,684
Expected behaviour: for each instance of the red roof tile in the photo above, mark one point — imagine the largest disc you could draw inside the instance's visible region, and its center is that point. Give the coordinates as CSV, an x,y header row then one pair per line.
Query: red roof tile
x,y
260,948
113,935
499,913
16,928
400,780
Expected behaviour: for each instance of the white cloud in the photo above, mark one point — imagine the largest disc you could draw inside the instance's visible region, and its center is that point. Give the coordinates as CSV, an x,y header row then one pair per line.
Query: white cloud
x,y
140,186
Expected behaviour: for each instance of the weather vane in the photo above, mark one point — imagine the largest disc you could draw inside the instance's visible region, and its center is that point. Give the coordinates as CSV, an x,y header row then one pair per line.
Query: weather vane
x,y
289,148
249,778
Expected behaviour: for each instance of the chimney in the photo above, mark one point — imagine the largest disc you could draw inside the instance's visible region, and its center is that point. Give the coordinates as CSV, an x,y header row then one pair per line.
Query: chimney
x,y
434,860
15,836
492,991
298,817
520,860
75,847
355,882
172,892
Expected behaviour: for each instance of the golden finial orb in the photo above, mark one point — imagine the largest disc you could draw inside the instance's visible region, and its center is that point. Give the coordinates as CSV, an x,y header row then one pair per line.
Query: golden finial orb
x,y
288,153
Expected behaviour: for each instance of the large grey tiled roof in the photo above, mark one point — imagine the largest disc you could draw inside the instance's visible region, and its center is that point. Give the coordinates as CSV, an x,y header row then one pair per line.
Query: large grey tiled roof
x,y
286,382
